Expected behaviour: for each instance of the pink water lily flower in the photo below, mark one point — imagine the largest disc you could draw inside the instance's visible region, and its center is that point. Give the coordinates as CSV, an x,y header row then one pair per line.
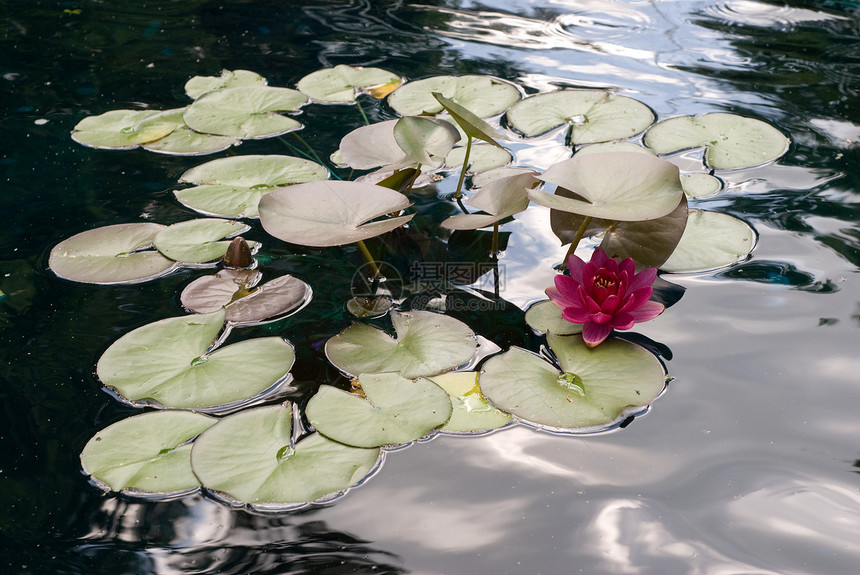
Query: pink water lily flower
x,y
604,294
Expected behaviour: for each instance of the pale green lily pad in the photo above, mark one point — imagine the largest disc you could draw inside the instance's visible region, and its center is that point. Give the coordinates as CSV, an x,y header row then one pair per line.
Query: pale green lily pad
x,y
471,124
699,185
232,187
249,458
482,158
730,141
169,363
199,85
615,146
126,129
592,115
146,454
625,186
341,83
248,112
246,303
198,241
597,388
398,143
499,199
427,343
425,140
184,141
484,96
545,317
481,179
114,254
331,213
471,413
395,410
711,240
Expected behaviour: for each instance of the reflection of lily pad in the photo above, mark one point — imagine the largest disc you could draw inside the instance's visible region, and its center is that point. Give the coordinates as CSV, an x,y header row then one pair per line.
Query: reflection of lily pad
x,y
331,213
111,254
249,458
246,303
340,84
484,96
198,241
168,363
148,453
711,240
545,317
595,389
730,141
471,413
248,112
125,129
427,343
592,115
396,410
199,85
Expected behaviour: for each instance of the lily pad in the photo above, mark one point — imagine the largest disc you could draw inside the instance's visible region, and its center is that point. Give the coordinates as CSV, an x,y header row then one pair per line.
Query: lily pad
x,y
482,158
247,112
126,129
711,240
146,454
199,85
426,344
499,199
395,410
331,213
626,186
648,242
111,255
170,363
398,143
197,241
730,141
545,317
246,303
341,83
184,141
484,96
471,413
471,124
698,185
595,389
249,458
591,115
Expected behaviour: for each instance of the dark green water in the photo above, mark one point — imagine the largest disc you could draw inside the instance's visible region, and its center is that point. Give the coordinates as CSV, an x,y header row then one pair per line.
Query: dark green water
x,y
747,464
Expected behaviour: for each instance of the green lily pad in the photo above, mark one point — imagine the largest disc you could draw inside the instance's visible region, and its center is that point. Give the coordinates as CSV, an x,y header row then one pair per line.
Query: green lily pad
x,y
331,213
471,413
232,187
592,115
426,344
169,363
199,85
484,96
595,389
395,411
249,458
146,454
699,185
111,255
184,141
246,303
247,112
545,317
730,141
499,199
197,241
626,186
341,83
482,158
126,129
711,240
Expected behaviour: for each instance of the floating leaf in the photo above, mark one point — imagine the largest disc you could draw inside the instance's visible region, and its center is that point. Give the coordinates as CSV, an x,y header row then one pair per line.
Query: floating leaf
x,y
184,141
484,96
341,83
711,240
148,453
246,303
168,363
596,388
592,115
199,85
398,143
249,458
471,411
472,125
331,213
500,199
396,410
625,186
425,140
232,187
197,241
730,141
699,185
481,179
110,255
427,343
248,113
545,317
482,158
126,129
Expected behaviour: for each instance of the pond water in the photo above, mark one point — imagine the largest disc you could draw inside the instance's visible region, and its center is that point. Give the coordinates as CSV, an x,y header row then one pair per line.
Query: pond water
x,y
748,463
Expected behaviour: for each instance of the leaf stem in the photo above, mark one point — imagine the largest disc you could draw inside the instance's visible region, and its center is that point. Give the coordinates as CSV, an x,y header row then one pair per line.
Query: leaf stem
x,y
575,243
463,168
361,111
367,256
495,245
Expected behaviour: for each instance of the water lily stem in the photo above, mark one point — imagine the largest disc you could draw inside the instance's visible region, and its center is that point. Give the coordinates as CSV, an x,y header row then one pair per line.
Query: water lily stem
x,y
463,168
366,253
361,111
575,243
494,249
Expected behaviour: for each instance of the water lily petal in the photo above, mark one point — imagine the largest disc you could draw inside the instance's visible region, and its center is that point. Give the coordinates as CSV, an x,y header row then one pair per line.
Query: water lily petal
x,y
649,310
593,333
644,278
